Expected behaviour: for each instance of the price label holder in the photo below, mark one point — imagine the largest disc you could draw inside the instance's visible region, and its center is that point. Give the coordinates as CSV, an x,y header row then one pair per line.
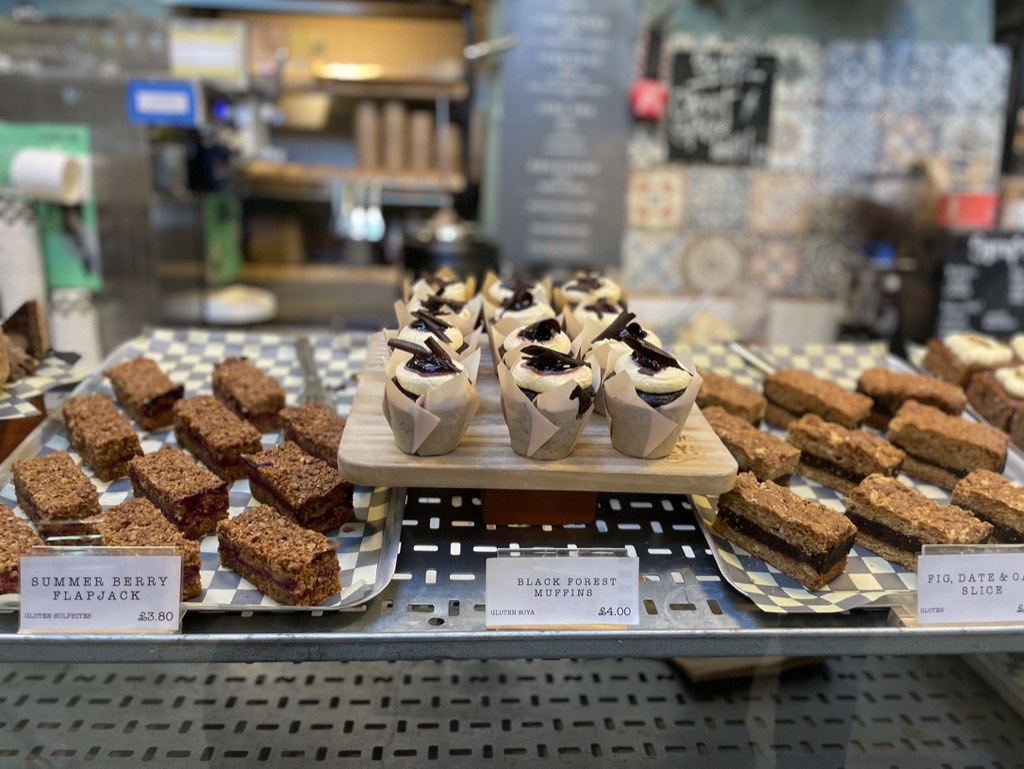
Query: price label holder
x,y
100,590
970,584
562,588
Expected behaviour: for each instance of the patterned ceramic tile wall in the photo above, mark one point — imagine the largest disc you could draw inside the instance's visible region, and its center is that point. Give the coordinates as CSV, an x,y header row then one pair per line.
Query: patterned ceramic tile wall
x,y
844,115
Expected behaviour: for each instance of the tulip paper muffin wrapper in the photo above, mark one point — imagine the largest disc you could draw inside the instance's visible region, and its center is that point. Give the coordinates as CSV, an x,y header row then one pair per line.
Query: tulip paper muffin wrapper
x,y
545,428
435,422
638,429
367,546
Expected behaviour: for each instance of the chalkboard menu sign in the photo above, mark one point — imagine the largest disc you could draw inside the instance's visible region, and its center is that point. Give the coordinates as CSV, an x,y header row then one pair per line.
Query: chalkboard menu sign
x,y
982,284
719,106
564,131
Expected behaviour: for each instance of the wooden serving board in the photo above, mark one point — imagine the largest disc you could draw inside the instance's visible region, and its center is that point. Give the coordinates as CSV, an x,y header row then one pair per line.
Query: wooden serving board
x,y
699,464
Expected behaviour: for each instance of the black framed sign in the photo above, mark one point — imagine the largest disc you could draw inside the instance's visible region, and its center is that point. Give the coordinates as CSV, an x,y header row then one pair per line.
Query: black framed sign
x,y
719,107
982,284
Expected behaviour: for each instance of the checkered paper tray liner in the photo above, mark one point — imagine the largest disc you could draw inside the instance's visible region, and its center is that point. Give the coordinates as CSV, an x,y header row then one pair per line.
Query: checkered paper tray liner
x,y
869,581
367,546
15,396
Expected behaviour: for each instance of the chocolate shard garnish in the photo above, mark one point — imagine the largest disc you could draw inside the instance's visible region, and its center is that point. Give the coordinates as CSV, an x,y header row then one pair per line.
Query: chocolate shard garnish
x,y
435,305
431,359
542,331
521,299
546,359
585,397
650,357
427,322
520,279
584,282
617,326
603,306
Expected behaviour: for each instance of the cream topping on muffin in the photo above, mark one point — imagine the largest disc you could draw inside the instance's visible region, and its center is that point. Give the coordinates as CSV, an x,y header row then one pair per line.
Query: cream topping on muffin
x,y
425,325
542,370
1017,345
546,333
622,327
588,287
1012,380
978,349
501,290
437,306
524,307
652,370
426,368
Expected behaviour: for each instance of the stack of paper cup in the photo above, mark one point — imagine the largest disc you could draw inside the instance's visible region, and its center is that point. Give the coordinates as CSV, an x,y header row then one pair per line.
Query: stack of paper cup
x,y
395,137
74,326
421,141
22,273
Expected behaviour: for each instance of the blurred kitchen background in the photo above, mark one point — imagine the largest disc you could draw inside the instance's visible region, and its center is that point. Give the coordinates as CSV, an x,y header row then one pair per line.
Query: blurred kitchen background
x,y
771,170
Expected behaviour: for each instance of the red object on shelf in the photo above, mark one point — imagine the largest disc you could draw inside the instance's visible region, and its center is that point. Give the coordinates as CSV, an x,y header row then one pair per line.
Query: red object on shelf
x,y
648,99
968,211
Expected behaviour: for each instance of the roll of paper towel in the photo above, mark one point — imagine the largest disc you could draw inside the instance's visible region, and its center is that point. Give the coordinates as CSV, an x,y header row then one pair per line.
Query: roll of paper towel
x,y
49,175
22,274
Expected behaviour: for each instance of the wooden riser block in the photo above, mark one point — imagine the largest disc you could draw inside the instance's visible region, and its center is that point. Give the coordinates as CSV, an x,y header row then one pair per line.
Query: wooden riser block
x,y
504,507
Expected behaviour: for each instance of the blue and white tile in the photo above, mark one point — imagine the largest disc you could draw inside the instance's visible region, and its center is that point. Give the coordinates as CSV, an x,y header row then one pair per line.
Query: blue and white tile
x,y
916,75
854,72
652,261
827,266
979,77
647,147
656,197
715,263
906,138
848,141
716,198
792,136
799,69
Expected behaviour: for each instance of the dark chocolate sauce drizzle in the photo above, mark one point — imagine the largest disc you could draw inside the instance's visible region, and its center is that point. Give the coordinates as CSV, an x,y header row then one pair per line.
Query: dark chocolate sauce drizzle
x,y
427,322
521,298
541,331
649,358
428,360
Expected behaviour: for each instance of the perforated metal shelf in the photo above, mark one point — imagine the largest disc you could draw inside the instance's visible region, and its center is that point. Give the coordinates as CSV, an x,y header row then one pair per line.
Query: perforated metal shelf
x,y
849,712
434,609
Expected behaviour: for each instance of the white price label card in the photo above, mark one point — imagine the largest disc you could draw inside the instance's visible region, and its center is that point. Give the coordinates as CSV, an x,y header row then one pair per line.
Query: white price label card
x,y
542,587
100,590
970,584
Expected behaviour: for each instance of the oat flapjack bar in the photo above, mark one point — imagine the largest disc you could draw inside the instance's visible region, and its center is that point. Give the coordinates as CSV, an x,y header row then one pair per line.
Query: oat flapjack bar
x,y
992,498
138,523
767,457
248,392
839,458
726,393
793,393
891,389
215,434
304,488
895,521
189,495
293,565
101,435
54,492
941,449
145,391
17,538
802,539
316,430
